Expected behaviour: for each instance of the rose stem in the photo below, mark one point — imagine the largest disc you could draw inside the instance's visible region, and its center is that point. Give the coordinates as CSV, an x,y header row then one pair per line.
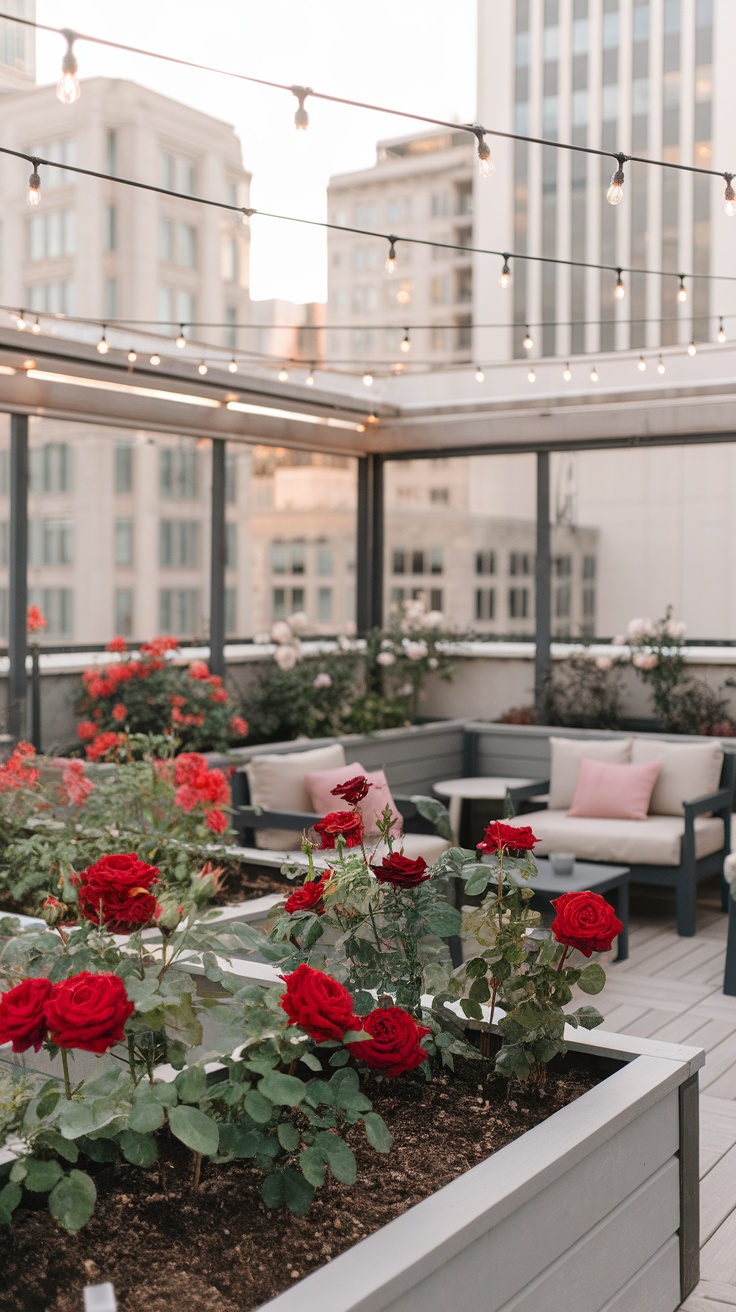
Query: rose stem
x,y
500,887
197,1171
561,961
67,1083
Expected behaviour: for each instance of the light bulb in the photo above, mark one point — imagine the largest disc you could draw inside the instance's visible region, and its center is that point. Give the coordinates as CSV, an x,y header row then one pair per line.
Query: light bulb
x,y
641,366
616,188
660,365
33,195
479,375
67,88
35,326
202,368
132,356
729,198
692,349
619,290
233,366
309,380
528,341
283,375
103,346
181,340
486,167
532,376
567,373
368,378
505,279
405,343
155,359
721,331
390,264
682,290
301,117
594,375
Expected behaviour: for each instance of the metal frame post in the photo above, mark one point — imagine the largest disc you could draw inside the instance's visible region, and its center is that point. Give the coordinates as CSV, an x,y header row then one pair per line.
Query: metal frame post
x,y
18,577
543,574
217,559
370,544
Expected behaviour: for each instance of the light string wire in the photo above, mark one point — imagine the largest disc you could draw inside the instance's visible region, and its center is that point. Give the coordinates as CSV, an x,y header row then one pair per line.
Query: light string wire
x,y
472,129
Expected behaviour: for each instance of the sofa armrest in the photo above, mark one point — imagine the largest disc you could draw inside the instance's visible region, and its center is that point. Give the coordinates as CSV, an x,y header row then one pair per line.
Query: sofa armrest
x,y
715,802
256,817
525,792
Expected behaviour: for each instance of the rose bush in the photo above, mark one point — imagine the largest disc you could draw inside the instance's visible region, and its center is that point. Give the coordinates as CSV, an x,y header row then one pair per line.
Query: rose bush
x,y
319,1005
401,871
88,1012
23,1014
507,838
585,921
394,1043
346,825
116,891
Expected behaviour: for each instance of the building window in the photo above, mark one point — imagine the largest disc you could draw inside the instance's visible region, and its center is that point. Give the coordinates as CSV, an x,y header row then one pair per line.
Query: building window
x,y
166,241
518,603
178,474
61,152
439,204
288,558
123,467
231,322
562,566
485,562
178,544
324,560
51,468
51,235
50,542
417,562
563,602
588,567
123,541
286,601
231,546
57,605
436,561
366,215
111,151
398,562
111,298
485,603
123,603
179,611
520,562
110,228
51,297
187,246
229,259
435,599
324,605
588,603
176,306
439,496
230,611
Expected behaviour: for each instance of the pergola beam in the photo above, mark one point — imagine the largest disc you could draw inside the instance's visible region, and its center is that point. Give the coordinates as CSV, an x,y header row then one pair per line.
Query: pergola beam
x,y
18,577
370,544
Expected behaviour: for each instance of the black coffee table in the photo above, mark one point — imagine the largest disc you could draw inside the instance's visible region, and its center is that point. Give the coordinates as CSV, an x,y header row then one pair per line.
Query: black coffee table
x,y
588,875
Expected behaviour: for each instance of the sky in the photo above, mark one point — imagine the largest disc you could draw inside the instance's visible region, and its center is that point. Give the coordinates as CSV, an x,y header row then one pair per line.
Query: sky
x,y
413,55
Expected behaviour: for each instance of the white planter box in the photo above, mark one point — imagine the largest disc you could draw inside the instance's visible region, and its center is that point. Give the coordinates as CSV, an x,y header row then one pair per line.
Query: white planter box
x,y
594,1210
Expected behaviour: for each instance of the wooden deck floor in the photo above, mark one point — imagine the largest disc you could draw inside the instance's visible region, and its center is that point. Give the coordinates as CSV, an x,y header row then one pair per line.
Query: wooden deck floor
x,y
671,988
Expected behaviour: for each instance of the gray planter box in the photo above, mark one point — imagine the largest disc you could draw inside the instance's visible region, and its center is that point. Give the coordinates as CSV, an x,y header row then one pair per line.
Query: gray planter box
x,y
595,1210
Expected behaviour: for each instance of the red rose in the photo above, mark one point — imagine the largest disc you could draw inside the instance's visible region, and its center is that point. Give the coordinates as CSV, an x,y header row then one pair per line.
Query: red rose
x,y
119,712
504,838
308,897
394,1045
238,726
87,730
117,644
353,791
347,823
216,821
118,887
317,1004
22,1016
88,1012
585,921
401,871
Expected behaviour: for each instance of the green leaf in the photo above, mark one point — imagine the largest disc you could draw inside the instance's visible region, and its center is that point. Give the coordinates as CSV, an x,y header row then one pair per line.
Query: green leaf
x,y
65,1148
437,814
47,1103
298,1192
191,1084
338,1155
478,882
312,1164
197,1130
72,1201
138,1149
10,1196
182,1022
471,1009
273,1190
588,1017
340,1057
146,1114
480,990
288,1136
311,1060
41,1176
592,978
18,1172
443,920
258,1108
284,1090
99,1150
377,1132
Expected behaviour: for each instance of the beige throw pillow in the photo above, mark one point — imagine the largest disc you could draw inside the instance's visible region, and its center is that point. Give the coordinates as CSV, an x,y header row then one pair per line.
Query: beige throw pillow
x,y
566,756
688,771
277,783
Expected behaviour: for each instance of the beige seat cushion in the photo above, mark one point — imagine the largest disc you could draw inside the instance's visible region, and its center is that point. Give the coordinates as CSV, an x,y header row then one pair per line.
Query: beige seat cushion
x,y
688,771
277,783
656,841
430,846
565,763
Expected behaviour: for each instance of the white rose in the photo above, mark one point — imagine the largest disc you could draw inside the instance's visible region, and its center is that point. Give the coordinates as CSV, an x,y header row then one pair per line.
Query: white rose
x,y
285,658
603,662
385,658
298,621
322,680
638,629
281,631
351,628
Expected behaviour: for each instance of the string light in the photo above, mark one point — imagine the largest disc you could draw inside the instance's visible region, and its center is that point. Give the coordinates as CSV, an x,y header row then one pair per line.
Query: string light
x,y
729,197
301,117
68,89
660,365
368,378
233,366
181,340
721,330
532,376
405,343
309,380
505,279
641,366
35,326
155,359
619,290
132,356
594,375
20,321
33,195
390,264
283,375
616,188
202,368
682,290
479,375
567,373
528,341
692,349
103,346
486,167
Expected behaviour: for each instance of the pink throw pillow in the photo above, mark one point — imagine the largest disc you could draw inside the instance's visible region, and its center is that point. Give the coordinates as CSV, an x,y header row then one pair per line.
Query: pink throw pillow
x,y
319,784
614,792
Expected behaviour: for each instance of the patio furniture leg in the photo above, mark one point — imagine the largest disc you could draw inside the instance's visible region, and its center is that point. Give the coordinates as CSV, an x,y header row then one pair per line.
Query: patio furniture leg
x,y
729,978
622,911
725,893
687,901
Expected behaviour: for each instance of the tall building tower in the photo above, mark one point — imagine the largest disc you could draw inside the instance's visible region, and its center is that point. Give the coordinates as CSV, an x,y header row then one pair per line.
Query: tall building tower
x,y
644,77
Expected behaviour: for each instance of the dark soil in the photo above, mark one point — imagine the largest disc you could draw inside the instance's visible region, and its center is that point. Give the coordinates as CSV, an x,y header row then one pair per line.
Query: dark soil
x,y
166,1249
240,882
